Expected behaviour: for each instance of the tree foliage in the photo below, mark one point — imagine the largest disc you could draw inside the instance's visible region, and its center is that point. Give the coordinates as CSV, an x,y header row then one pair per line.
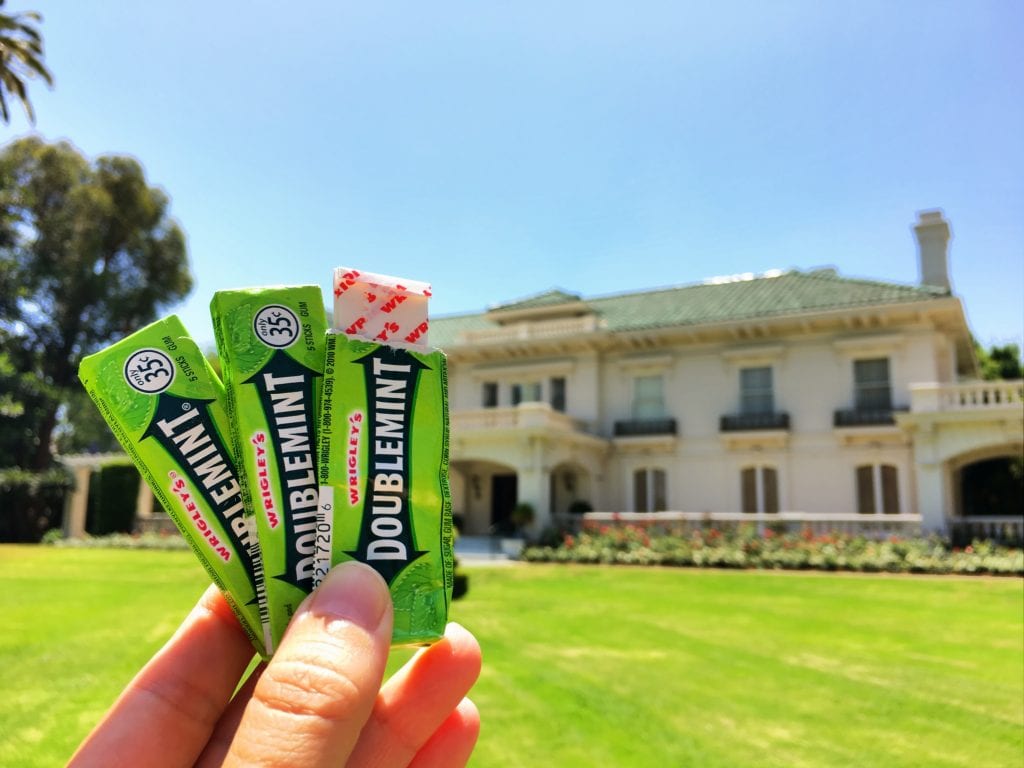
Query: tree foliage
x,y
88,254
999,362
21,59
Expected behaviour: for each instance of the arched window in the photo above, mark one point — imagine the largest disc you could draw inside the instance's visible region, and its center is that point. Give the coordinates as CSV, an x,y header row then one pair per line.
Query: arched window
x,y
759,488
650,490
878,489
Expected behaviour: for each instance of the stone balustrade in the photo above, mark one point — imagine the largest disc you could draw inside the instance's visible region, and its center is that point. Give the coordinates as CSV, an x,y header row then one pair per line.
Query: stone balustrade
x,y
532,415
975,395
540,329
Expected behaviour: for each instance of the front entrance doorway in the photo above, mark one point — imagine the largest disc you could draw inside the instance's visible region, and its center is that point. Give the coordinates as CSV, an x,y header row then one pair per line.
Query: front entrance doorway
x,y
504,489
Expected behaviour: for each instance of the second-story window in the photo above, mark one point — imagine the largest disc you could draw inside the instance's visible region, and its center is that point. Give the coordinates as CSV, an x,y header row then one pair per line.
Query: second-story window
x,y
871,387
558,393
490,394
648,397
526,392
756,390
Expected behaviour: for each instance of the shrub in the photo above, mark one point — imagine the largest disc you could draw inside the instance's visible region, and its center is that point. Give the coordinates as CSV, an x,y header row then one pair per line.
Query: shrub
x,y
32,503
124,541
113,490
522,515
744,548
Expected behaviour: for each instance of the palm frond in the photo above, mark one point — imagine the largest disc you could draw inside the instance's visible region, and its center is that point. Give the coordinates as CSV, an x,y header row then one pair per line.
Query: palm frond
x,y
21,58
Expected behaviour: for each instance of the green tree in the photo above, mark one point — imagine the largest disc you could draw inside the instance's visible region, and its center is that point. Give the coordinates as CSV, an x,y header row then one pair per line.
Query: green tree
x,y
999,362
21,59
88,254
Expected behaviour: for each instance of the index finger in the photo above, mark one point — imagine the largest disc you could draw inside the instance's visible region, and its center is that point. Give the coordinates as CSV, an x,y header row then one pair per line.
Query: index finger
x,y
166,714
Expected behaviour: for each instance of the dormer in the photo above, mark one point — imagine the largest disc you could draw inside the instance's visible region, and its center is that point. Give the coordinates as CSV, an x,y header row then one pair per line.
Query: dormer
x,y
554,304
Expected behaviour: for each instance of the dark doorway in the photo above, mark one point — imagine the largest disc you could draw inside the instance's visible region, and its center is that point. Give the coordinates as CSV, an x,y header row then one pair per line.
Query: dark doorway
x,y
991,499
503,500
992,487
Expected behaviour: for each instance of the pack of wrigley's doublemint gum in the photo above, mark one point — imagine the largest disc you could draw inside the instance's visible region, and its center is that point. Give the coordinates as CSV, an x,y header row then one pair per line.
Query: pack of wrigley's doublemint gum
x,y
384,497
271,344
166,407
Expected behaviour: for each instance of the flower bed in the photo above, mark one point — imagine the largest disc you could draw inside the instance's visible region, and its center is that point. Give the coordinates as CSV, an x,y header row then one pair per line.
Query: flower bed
x,y
119,541
744,548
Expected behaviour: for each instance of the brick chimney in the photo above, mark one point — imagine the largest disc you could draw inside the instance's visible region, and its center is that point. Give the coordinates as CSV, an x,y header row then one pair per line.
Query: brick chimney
x,y
933,235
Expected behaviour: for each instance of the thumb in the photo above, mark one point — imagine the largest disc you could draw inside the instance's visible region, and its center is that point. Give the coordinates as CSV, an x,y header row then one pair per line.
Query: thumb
x,y
318,690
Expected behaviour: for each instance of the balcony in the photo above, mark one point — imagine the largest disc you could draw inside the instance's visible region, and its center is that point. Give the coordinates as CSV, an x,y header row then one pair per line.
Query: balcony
x,y
865,417
747,422
974,396
525,416
645,427
537,330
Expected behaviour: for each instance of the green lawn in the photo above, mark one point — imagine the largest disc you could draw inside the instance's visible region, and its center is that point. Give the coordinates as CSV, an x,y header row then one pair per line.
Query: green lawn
x,y
592,666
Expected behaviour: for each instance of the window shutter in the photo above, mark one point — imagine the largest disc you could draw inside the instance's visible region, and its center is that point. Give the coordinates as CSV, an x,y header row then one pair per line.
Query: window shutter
x,y
866,490
660,491
748,487
640,491
770,481
890,490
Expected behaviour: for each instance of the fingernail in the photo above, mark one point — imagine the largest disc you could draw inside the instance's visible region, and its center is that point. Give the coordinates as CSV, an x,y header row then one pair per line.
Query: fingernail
x,y
351,591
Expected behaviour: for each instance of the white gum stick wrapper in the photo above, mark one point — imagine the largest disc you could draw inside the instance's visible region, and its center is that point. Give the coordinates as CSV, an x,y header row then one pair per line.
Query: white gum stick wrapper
x,y
381,308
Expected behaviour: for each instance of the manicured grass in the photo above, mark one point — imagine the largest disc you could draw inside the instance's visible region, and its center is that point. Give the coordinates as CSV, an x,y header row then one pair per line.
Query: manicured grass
x,y
605,666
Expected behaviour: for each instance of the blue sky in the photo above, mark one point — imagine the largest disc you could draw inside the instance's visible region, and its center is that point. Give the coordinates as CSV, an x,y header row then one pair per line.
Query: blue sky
x,y
498,149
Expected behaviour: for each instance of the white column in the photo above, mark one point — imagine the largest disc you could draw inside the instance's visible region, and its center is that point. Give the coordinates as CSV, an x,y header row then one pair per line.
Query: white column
x,y
144,501
931,497
75,506
534,486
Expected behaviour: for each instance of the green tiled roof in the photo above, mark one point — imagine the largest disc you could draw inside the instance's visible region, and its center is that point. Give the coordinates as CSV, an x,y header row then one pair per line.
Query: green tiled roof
x,y
789,293
550,298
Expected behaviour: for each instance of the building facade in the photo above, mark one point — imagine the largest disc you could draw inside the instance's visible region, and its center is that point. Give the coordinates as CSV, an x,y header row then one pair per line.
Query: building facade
x,y
792,395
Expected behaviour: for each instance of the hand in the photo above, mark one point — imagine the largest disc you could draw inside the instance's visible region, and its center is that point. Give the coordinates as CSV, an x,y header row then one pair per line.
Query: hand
x,y
318,702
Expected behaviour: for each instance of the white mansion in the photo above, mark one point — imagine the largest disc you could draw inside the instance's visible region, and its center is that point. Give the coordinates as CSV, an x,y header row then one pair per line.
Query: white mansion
x,y
801,396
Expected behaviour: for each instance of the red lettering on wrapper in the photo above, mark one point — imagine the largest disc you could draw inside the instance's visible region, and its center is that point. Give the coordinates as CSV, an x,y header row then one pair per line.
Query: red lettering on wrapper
x,y
357,326
346,281
417,332
179,487
259,440
392,303
355,421
389,328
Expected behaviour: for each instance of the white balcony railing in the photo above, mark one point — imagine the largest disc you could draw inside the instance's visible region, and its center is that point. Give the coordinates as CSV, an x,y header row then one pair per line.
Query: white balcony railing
x,y
532,331
523,416
976,395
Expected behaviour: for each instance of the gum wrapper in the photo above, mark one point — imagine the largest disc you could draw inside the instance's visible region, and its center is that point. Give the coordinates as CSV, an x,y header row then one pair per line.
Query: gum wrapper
x,y
384,496
165,405
271,344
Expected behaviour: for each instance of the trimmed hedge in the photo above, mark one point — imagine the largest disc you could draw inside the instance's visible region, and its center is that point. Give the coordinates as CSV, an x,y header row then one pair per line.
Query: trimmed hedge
x,y
113,490
744,548
31,503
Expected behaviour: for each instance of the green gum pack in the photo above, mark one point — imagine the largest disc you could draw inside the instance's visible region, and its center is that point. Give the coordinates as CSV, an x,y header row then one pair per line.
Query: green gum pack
x,y
384,496
271,344
165,405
